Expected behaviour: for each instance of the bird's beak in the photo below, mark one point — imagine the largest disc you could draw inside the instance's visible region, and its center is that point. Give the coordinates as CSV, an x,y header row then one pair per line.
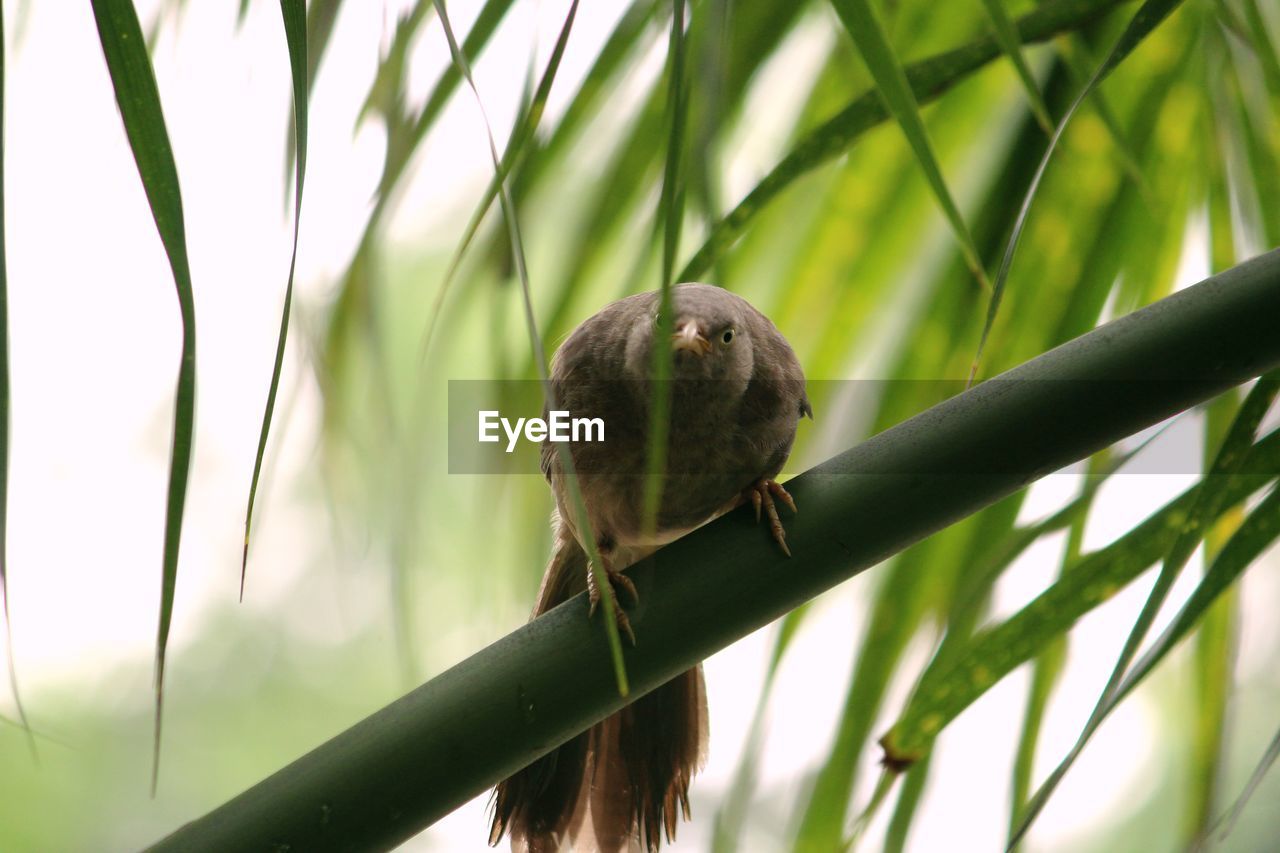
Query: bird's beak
x,y
687,337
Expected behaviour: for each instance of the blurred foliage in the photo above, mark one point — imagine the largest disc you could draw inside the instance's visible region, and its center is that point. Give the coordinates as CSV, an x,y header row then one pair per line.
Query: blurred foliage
x,y
801,194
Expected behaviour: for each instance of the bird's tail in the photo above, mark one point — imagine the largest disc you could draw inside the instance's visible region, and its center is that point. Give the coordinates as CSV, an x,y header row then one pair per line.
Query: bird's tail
x,y
623,782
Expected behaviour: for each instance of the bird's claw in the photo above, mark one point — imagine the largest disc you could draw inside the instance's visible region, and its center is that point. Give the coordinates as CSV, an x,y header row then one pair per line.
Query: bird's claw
x,y
762,494
618,582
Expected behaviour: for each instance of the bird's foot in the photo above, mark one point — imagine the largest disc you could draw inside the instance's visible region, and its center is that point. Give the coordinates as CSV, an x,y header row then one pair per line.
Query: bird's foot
x,y
762,493
618,583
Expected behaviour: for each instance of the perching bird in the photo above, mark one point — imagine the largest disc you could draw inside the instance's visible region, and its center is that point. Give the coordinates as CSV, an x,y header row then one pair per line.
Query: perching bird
x,y
736,399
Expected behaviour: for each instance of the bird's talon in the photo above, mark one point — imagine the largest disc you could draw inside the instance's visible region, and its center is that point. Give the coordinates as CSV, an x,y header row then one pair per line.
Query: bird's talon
x,y
619,617
624,627
762,494
782,495
622,582
618,583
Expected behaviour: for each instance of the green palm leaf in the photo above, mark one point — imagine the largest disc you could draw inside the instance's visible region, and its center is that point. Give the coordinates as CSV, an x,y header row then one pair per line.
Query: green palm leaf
x,y
139,100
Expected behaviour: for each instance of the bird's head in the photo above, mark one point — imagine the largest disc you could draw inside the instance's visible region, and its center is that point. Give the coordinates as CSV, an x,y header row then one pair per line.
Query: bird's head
x,y
709,339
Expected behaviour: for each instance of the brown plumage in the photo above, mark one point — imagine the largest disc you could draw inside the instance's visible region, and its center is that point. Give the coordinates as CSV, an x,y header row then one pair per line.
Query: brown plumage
x,y
737,396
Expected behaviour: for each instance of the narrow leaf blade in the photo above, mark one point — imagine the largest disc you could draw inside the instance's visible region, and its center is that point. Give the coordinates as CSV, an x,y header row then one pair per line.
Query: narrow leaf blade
x,y
1007,35
670,217
535,341
4,428
139,100
872,42
295,29
929,79
518,143
1228,820
1144,21
995,652
1210,499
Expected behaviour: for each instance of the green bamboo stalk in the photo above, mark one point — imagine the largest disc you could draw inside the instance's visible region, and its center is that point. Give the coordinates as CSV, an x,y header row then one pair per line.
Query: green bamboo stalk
x,y
406,766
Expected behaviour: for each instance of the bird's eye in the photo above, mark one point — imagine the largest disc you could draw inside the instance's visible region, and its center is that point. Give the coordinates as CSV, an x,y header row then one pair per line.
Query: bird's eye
x,y
727,337
657,321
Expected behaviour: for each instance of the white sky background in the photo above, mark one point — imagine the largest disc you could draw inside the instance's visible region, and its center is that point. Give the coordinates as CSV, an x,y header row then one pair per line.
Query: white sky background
x,y
95,341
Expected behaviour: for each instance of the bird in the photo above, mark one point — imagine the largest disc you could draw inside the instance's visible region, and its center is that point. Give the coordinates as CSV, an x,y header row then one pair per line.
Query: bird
x,y
737,395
